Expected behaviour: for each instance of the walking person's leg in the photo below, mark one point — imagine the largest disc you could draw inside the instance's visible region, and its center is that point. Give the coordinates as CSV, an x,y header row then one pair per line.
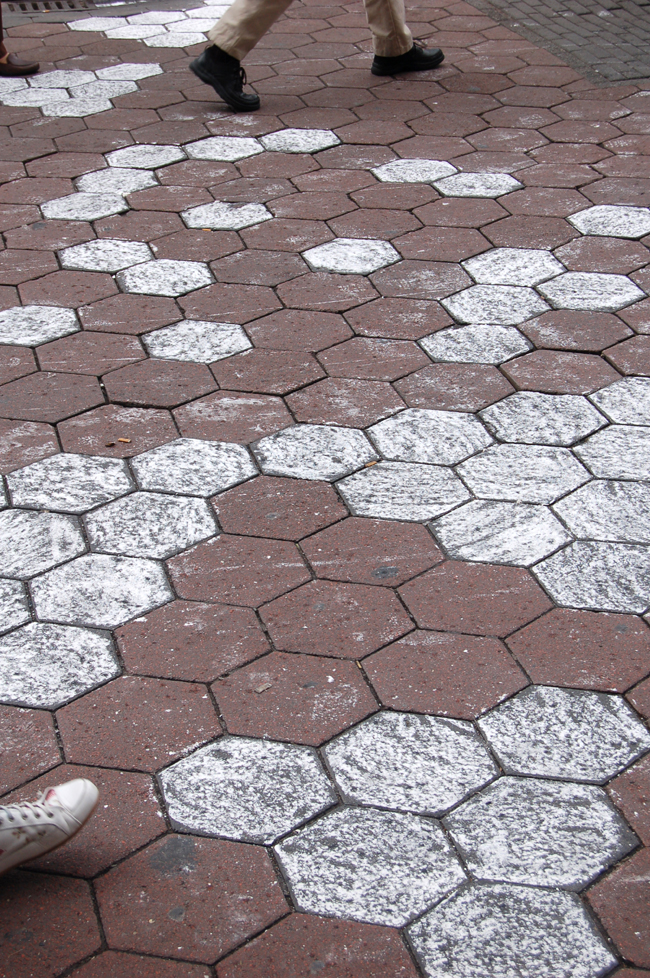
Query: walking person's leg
x,y
10,64
393,44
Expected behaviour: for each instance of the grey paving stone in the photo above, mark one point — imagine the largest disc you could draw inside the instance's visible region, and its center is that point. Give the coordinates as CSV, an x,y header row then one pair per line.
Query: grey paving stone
x,y
522,473
224,216
197,341
33,325
84,207
477,185
34,97
513,266
132,72
314,451
105,255
300,140
402,491
226,148
44,666
542,419
247,790
68,483
618,452
435,437
165,276
368,865
145,157
116,180
568,734
77,108
351,256
412,763
100,590
506,305
598,576
190,466
104,88
61,78
500,930
608,511
539,833
149,524
31,543
479,343
591,291
413,171
176,39
97,23
14,607
625,402
613,221
500,533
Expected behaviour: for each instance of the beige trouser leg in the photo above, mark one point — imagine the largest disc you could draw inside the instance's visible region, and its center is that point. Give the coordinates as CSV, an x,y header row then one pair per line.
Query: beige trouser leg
x,y
246,21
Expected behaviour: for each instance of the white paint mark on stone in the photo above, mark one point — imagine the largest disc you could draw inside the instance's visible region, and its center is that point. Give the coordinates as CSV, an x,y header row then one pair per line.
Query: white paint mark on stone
x,y
542,419
247,790
84,207
500,533
523,474
401,491
478,343
69,483
165,276
568,734
351,256
145,156
599,577
31,325
197,341
513,266
14,608
192,466
224,216
591,291
619,452
436,437
625,402
477,185
413,171
226,148
31,543
44,666
300,140
116,180
613,221
506,305
314,451
105,254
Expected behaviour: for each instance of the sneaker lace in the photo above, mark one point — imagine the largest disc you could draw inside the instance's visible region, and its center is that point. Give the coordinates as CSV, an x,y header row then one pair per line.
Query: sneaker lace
x,y
23,811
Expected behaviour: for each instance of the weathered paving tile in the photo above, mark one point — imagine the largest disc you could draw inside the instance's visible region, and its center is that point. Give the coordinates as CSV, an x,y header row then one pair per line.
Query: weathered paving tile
x,y
598,576
45,666
77,108
61,79
300,140
225,216
591,290
116,180
351,256
311,451
197,341
32,325
144,157
165,277
68,483
619,452
539,833
479,343
506,305
31,542
84,207
542,419
193,467
568,734
247,790
477,185
409,762
369,865
14,607
402,491
608,511
522,473
513,266
436,437
105,255
413,171
226,148
132,72
613,221
500,533
625,402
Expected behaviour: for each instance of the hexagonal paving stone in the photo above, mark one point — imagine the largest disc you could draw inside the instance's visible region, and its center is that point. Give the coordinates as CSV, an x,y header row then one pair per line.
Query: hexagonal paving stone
x,y
504,931
413,171
193,467
569,734
31,543
197,341
542,419
608,511
69,483
144,157
436,437
351,256
165,277
401,491
77,108
591,290
613,221
224,216
32,325
479,343
540,833
513,266
625,402
100,590
134,72
148,524
477,185
34,97
105,255
619,452
116,180
408,762
524,474
600,576
84,207
369,865
14,607
314,451
227,148
45,666
300,140
247,790
500,533
505,305
61,79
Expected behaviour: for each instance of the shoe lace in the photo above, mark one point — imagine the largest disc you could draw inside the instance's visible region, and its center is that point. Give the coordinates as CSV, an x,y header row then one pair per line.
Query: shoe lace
x,y
23,811
240,78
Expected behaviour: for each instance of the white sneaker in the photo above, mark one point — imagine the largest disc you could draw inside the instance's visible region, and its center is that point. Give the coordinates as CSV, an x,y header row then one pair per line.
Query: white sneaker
x,y
31,829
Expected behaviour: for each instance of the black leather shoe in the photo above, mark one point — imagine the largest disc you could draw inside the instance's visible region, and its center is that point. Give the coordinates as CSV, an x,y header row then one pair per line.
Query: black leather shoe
x,y
418,58
227,77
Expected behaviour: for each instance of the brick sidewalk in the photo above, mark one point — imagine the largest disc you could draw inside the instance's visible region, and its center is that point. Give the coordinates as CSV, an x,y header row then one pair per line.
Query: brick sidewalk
x,y
325,435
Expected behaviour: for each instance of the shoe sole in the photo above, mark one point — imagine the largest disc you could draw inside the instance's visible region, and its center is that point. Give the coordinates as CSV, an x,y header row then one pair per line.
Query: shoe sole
x,y
58,845
374,70
195,68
